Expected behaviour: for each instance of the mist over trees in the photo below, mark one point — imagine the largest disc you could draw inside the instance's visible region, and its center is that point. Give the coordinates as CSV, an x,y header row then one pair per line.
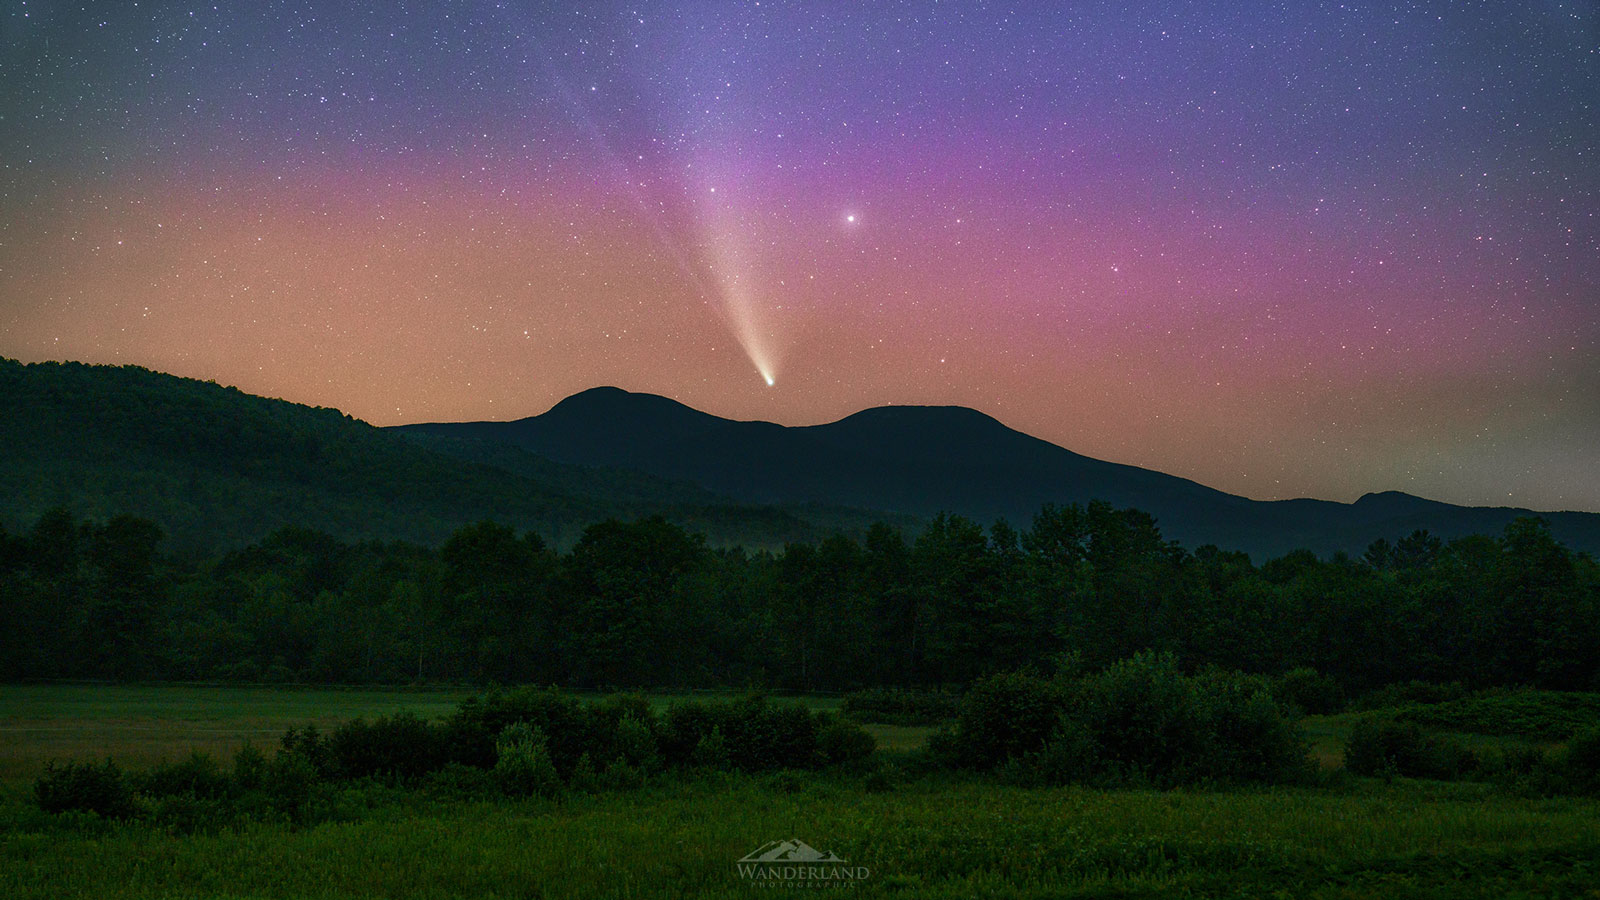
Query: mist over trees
x,y
647,604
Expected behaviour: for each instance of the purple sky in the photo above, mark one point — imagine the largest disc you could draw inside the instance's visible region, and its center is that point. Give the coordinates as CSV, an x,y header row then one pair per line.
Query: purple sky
x,y
1283,249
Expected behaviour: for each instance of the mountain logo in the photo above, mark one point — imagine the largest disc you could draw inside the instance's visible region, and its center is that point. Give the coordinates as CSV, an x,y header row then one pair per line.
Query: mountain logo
x,y
792,850
795,863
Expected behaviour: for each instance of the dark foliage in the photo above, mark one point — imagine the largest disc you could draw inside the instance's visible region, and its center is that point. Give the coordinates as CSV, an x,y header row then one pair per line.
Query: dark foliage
x,y
85,787
1140,721
900,706
1388,747
1309,691
1541,715
199,776
1580,761
1004,716
646,604
1396,695
842,742
399,746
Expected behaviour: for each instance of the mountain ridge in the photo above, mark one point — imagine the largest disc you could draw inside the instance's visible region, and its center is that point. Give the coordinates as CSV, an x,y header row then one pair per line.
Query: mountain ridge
x,y
921,460
216,468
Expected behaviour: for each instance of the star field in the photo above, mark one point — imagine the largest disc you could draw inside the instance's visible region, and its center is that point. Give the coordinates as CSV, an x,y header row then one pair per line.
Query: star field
x,y
1284,249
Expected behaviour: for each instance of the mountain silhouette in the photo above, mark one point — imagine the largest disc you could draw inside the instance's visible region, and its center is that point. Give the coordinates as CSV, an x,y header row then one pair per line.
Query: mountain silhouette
x,y
921,460
218,468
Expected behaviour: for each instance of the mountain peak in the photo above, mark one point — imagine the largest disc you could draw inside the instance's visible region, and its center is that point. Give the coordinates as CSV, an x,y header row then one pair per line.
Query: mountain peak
x,y
607,402
1394,501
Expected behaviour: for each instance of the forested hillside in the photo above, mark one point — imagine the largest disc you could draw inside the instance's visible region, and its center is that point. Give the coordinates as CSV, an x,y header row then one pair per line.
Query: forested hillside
x,y
219,468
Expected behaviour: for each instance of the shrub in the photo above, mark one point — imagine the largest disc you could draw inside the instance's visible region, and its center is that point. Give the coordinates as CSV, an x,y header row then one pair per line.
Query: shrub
x,y
84,787
844,743
1003,716
711,752
401,746
1309,691
290,785
1542,715
1140,721
620,775
454,781
761,736
1070,754
1388,747
585,777
1580,761
309,745
635,744
199,777
523,767
880,779
1144,718
471,732
754,735
1245,735
686,725
249,768
190,814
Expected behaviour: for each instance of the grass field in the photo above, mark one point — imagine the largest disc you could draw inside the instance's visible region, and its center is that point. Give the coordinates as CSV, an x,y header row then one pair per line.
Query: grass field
x,y
927,836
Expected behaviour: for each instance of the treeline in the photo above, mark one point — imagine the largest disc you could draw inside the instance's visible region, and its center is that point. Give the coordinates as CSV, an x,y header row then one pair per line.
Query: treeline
x,y
645,604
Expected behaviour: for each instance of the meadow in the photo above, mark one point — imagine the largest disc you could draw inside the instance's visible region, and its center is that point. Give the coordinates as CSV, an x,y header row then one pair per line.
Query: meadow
x,y
920,833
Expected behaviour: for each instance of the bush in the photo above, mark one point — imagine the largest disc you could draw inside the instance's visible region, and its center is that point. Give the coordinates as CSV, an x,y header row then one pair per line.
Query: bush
x,y
635,744
1387,747
1541,715
620,775
1001,717
1140,721
1246,736
471,732
84,787
199,777
898,706
1309,691
400,746
290,785
455,781
844,743
753,735
1580,761
309,745
1070,754
711,752
249,768
1145,720
761,736
190,814
523,767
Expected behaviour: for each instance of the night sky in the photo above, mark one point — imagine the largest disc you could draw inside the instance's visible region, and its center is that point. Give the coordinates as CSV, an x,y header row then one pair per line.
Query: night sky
x,y
1284,249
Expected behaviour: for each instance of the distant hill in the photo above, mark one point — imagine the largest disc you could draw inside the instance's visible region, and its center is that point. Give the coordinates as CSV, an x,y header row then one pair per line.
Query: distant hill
x,y
216,468
922,460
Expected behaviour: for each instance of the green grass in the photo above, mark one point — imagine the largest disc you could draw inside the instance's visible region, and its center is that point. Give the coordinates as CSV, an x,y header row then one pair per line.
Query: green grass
x,y
930,836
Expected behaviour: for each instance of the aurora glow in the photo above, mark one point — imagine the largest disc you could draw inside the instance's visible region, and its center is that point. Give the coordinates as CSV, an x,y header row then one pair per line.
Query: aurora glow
x,y
1285,249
